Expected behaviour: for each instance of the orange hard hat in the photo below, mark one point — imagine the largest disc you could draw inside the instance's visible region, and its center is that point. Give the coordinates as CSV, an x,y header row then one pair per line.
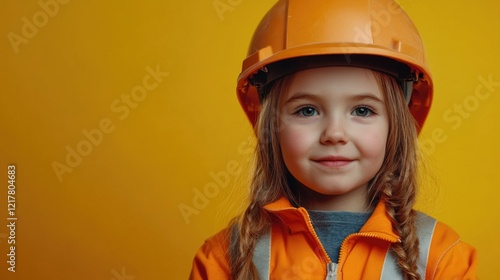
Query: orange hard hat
x,y
298,34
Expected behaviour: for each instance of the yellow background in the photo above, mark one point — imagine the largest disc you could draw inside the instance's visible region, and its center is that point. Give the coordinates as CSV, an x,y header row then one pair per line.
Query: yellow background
x,y
117,214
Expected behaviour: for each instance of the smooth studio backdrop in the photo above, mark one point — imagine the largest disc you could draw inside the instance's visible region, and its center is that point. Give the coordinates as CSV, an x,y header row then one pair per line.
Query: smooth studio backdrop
x,y
130,147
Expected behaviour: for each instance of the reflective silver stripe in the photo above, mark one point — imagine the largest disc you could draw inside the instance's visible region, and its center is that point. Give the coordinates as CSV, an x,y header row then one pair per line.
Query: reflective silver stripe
x,y
262,255
425,229
390,271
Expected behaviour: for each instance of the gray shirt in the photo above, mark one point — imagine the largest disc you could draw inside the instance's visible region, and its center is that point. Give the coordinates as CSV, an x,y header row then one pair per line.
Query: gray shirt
x,y
332,227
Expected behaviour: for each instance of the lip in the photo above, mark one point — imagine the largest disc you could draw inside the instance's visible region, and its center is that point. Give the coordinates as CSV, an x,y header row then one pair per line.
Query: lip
x,y
333,161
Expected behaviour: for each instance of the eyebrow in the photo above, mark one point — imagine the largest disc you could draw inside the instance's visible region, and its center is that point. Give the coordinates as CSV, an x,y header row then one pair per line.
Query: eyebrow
x,y
302,95
356,97
367,96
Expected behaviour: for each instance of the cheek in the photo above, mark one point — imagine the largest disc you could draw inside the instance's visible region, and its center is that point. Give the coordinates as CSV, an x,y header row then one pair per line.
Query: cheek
x,y
294,142
374,143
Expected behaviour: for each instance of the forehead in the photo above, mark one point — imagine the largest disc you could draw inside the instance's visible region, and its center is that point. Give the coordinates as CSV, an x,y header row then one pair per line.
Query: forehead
x,y
335,80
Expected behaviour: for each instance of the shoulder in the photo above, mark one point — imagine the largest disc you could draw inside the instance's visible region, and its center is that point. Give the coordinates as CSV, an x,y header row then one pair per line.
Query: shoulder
x,y
212,260
448,256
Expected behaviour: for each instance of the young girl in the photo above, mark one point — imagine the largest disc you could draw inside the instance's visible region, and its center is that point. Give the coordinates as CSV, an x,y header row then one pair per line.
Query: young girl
x,y
337,91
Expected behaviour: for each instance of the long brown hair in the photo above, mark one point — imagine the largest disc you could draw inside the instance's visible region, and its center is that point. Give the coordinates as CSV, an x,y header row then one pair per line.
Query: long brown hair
x,y
395,183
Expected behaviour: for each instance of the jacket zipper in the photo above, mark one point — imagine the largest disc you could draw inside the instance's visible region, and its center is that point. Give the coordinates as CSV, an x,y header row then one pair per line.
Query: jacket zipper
x,y
331,267
362,234
331,271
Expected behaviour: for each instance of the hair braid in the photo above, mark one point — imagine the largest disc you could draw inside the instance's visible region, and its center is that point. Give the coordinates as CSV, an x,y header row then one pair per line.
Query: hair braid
x,y
269,183
248,227
396,182
406,251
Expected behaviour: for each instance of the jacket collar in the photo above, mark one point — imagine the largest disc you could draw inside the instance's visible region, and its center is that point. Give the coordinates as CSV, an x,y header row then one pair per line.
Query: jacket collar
x,y
297,219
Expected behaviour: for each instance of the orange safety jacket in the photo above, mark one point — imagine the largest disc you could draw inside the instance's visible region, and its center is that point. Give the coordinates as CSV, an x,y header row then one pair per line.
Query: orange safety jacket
x,y
292,250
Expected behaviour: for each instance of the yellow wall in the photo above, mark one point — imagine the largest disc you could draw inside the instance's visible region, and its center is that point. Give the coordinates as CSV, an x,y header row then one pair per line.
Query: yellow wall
x,y
117,114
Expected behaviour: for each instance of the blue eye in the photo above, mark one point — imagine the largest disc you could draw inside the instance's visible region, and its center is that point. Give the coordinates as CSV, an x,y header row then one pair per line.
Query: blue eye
x,y
307,111
362,111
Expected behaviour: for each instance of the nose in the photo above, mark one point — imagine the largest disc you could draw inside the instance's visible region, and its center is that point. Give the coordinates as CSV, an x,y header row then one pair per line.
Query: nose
x,y
334,131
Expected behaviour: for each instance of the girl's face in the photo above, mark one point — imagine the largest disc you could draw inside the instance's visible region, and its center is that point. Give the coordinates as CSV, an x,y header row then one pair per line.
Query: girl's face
x,y
333,128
